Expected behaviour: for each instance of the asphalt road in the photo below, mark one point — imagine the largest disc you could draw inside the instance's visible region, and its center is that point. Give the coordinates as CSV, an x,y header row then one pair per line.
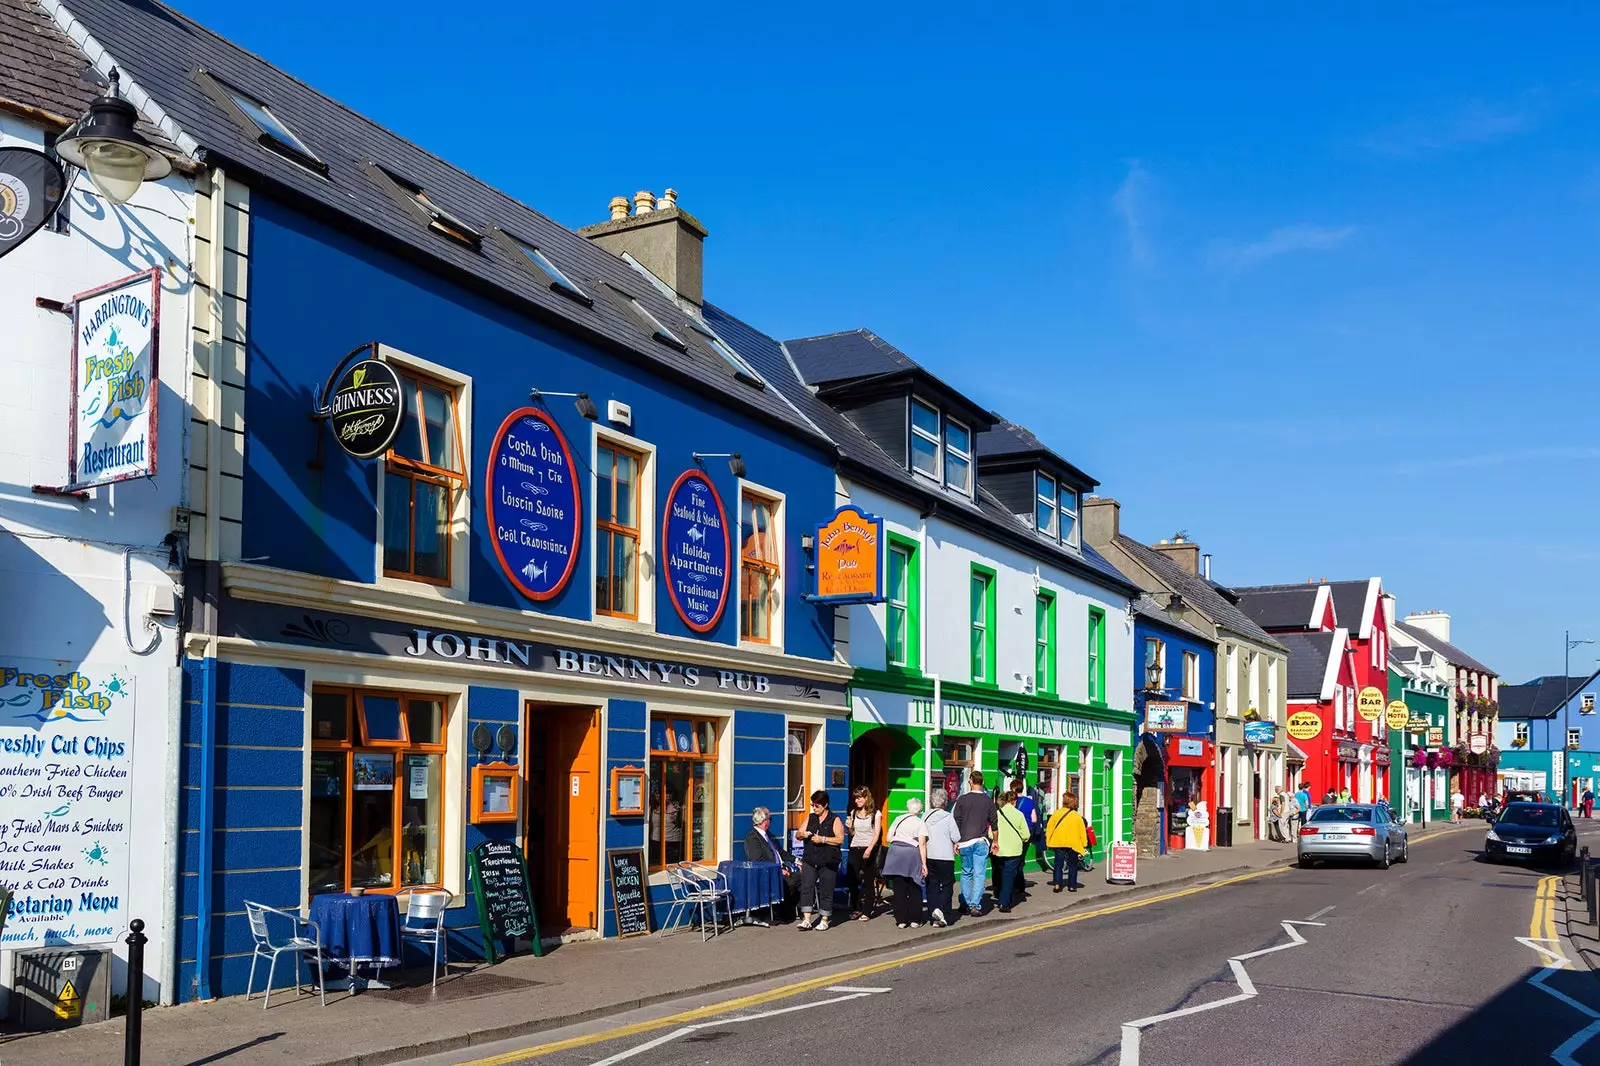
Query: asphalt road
x,y
1418,964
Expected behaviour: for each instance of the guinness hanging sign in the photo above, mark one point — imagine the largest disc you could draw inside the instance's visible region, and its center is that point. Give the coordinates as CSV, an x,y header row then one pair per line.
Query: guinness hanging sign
x,y
31,188
366,408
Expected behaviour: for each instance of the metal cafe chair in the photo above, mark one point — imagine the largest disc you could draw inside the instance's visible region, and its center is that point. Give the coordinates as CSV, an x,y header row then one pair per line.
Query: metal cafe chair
x,y
424,924
295,944
706,887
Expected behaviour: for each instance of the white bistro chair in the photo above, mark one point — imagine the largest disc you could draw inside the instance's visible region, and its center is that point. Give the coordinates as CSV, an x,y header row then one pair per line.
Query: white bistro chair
x,y
260,916
694,890
424,924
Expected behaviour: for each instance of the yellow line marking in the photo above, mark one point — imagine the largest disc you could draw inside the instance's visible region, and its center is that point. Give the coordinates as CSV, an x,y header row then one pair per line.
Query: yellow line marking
x,y
814,983
1550,910
1544,909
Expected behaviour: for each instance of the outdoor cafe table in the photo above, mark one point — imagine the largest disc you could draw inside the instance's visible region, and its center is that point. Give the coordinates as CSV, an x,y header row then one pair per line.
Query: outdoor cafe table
x,y
356,931
753,885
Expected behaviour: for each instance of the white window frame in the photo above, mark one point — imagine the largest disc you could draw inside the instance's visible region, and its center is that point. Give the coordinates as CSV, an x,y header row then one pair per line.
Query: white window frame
x,y
1191,676
1230,704
1253,668
1587,705
1161,663
1338,707
950,450
1061,510
1523,732
461,513
1272,689
647,529
780,509
1574,737
937,439
1053,500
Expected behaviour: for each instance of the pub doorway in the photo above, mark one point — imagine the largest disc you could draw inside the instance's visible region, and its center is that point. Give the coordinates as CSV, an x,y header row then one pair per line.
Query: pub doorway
x,y
563,815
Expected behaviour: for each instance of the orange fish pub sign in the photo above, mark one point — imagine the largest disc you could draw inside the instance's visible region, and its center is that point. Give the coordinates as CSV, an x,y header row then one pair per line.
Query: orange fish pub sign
x,y
850,558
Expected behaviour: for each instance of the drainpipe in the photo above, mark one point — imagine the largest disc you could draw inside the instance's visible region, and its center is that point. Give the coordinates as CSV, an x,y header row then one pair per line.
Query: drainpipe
x,y
933,734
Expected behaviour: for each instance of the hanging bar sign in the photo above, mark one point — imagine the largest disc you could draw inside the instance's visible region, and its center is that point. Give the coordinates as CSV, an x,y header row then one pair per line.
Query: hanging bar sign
x,y
699,551
533,504
31,188
366,408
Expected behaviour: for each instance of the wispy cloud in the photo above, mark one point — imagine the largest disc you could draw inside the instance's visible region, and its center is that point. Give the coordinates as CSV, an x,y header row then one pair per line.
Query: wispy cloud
x,y
1131,202
1477,462
1473,123
1299,237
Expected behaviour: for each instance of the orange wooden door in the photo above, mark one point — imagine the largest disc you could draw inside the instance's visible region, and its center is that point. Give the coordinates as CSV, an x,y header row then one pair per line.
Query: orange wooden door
x,y
577,772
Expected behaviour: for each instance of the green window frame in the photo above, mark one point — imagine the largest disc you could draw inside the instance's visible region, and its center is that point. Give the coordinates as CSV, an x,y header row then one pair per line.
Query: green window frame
x,y
903,609
1097,656
1044,643
982,625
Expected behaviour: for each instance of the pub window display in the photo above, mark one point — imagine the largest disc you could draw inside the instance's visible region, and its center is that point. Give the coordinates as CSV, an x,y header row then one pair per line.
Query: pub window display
x,y
377,789
683,791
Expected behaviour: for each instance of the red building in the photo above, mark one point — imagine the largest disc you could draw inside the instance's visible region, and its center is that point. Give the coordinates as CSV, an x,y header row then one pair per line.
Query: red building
x,y
1338,638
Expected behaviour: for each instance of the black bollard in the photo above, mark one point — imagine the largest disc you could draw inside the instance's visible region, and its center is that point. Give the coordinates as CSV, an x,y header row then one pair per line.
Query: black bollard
x,y
136,942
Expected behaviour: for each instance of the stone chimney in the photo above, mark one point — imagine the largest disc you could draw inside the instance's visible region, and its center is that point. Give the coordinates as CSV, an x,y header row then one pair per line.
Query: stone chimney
x,y
1435,622
665,239
1181,550
1101,520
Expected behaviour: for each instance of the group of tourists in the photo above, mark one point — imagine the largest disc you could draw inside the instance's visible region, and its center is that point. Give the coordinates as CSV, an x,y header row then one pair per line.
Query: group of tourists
x,y
937,861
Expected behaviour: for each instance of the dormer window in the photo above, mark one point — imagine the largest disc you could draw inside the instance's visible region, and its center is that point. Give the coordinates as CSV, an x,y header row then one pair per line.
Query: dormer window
x,y
1044,519
958,457
1069,516
1055,509
941,447
925,445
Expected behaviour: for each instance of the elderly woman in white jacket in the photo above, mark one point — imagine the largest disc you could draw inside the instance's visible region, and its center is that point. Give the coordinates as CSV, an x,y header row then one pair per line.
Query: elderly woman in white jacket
x,y
905,864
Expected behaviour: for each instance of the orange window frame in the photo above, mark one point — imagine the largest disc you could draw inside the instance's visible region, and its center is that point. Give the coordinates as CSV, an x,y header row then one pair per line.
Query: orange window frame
x,y
796,816
428,472
658,795
616,529
355,719
755,565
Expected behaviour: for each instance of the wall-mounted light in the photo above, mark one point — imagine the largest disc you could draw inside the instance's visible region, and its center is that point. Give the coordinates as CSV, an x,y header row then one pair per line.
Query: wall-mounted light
x,y
580,400
735,463
105,144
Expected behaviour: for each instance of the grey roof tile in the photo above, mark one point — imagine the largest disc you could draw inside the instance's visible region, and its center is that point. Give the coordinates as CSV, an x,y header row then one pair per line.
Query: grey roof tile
x,y
1198,593
1309,654
1008,439
1452,654
1277,607
1543,697
1147,606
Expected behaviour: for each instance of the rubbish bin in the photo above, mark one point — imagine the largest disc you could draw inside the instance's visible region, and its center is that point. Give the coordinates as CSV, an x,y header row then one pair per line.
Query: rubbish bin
x,y
1224,827
58,988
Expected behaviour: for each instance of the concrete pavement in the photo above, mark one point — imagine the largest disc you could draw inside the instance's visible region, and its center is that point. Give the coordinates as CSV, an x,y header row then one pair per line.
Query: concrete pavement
x,y
591,980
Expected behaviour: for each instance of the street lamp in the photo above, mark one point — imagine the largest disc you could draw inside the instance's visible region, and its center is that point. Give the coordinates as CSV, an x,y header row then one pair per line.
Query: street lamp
x,y
104,143
1566,683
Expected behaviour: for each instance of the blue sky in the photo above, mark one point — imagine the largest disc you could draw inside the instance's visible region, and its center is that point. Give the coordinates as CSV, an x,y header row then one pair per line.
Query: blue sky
x,y
1318,288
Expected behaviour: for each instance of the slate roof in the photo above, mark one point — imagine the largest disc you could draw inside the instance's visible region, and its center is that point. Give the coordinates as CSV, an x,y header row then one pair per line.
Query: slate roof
x,y
1452,654
1279,606
163,52
1308,662
1009,440
847,356
1147,607
1197,592
1350,603
39,65
1543,697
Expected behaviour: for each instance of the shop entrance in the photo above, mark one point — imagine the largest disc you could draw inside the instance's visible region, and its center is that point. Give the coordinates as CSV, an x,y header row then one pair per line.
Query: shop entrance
x,y
869,766
563,805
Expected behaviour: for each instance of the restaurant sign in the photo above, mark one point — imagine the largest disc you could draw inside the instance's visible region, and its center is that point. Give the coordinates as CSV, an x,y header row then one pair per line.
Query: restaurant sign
x,y
1166,717
533,504
1303,725
275,623
115,330
1260,732
849,550
699,551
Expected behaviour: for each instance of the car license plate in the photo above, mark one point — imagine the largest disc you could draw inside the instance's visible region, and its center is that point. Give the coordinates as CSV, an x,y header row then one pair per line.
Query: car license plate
x,y
1518,851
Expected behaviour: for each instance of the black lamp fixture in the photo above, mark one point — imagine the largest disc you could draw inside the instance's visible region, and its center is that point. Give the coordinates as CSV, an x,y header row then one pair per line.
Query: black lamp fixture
x,y
580,400
735,463
1152,675
105,144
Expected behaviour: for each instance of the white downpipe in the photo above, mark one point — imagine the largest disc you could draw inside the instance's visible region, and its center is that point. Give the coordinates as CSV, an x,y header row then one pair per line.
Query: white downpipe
x,y
933,734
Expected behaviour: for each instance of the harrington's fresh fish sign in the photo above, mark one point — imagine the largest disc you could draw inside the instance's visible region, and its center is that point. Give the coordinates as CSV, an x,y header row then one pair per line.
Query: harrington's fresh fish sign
x,y
114,381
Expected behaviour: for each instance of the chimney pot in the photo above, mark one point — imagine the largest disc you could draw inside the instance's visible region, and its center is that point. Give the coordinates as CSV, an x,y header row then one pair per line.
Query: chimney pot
x,y
619,207
668,199
644,202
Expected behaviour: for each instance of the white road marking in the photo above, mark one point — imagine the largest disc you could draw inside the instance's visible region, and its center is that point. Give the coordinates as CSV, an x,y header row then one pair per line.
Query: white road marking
x,y
1320,913
1132,1031
1364,891
1559,961
651,1045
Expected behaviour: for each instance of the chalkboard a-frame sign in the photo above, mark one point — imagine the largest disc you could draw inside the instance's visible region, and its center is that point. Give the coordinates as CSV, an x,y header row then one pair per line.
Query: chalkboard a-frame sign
x,y
630,892
499,878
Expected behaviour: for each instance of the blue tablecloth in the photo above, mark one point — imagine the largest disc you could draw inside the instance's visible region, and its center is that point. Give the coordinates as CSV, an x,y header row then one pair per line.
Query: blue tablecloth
x,y
358,928
753,884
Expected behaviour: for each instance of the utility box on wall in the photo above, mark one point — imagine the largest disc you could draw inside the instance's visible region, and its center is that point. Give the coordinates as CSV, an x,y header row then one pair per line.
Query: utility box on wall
x,y
59,988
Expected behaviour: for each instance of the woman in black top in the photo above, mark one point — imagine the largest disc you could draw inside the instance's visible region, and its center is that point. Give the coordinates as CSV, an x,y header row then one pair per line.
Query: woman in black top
x,y
819,862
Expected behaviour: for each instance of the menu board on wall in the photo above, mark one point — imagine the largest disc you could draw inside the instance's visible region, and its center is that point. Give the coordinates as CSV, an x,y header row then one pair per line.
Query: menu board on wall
x,y
66,785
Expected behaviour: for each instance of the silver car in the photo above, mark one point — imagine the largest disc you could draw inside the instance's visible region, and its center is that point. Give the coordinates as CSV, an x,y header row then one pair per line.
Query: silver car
x,y
1352,831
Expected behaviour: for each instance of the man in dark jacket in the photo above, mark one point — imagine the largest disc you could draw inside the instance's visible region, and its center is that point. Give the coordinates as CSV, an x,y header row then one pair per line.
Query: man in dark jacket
x,y
761,845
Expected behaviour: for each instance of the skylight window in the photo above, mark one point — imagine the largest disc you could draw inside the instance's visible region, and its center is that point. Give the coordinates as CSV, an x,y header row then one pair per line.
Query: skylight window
x,y
741,369
439,219
558,280
257,118
270,125
653,324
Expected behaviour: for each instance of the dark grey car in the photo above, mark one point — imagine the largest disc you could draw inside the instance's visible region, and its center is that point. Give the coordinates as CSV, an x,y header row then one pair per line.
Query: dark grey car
x,y
1352,831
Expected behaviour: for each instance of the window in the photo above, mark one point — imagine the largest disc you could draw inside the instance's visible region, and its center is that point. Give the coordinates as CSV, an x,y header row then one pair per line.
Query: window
x,y
1522,733
1044,518
1097,655
957,757
1338,707
1253,696
902,620
274,134
1191,676
1155,664
558,280
617,524
1069,515
958,456
439,219
735,361
760,567
683,791
1044,642
1588,703
377,789
1574,739
424,475
924,439
797,771
1049,774
982,626
1272,690
653,326
1230,682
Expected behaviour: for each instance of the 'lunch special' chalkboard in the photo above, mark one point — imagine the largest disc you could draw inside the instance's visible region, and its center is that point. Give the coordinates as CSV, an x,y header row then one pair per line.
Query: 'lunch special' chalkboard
x,y
629,891
499,878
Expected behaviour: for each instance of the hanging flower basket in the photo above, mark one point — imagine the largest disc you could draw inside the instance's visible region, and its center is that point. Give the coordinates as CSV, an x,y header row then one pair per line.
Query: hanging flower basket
x,y
1444,757
1420,758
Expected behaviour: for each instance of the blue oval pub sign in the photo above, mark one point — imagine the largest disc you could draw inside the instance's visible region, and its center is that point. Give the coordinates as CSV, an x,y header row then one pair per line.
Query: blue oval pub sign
x,y
699,551
533,503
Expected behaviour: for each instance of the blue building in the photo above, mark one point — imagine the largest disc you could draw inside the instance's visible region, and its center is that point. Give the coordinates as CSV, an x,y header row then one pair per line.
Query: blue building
x,y
1548,736
1175,688
525,565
